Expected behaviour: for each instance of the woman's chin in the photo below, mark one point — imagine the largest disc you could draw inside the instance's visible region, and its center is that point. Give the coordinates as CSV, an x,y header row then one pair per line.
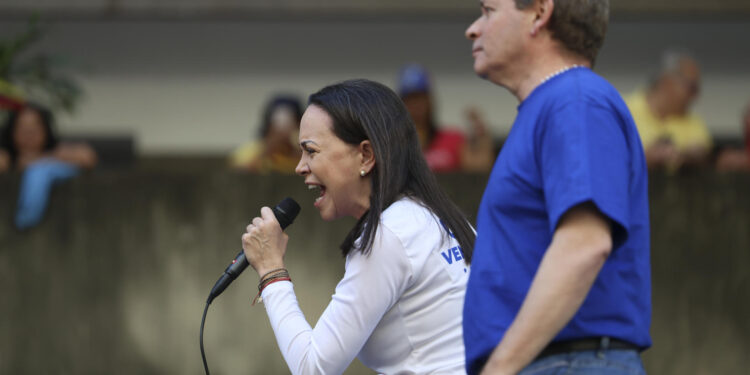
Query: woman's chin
x,y
328,214
325,214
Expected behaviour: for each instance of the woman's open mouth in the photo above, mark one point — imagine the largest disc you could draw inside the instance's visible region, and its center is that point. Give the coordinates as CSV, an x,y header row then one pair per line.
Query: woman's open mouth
x,y
321,189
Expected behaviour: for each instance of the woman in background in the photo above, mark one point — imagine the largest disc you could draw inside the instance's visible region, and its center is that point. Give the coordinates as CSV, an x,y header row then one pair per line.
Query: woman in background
x,y
28,144
276,149
28,137
399,305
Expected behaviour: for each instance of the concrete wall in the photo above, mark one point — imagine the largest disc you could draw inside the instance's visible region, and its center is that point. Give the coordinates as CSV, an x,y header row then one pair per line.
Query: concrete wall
x,y
198,86
115,278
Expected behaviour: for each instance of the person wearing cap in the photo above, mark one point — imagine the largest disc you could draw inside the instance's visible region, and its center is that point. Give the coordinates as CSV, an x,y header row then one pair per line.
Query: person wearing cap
x,y
444,148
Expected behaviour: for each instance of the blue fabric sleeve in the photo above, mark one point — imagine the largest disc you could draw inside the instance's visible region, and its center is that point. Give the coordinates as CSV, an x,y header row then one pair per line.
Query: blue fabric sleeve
x,y
584,158
36,185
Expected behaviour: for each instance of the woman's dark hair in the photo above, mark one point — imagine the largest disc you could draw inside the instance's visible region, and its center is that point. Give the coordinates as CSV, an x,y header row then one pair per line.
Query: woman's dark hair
x,y
287,101
366,110
48,123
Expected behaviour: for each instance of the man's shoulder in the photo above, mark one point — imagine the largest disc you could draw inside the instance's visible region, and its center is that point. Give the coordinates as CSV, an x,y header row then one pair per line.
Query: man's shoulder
x,y
584,86
584,98
598,89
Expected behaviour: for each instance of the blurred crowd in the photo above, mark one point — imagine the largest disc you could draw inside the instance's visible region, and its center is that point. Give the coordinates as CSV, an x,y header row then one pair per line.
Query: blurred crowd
x,y
674,138
446,148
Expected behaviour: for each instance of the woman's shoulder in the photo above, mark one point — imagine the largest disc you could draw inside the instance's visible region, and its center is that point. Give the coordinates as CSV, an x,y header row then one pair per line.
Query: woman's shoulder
x,y
406,206
408,217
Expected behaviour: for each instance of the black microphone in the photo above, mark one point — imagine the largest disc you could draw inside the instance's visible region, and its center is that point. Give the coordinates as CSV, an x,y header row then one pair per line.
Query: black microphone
x,y
285,213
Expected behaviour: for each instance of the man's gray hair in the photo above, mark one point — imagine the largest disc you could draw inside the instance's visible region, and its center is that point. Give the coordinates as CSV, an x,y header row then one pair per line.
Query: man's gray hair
x,y
672,59
671,63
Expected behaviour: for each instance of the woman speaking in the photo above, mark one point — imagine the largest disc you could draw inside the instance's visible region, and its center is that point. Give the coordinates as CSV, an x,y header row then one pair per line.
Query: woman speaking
x,y
398,307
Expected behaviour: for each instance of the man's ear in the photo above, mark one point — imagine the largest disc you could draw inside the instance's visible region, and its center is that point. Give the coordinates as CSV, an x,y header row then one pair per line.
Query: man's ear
x,y
543,12
367,156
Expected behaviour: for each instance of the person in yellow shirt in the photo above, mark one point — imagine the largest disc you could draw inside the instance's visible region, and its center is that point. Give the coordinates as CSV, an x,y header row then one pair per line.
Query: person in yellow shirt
x,y
276,150
735,159
671,134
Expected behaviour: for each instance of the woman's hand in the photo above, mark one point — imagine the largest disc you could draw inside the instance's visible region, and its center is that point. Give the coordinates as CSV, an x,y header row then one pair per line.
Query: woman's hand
x,y
79,154
264,243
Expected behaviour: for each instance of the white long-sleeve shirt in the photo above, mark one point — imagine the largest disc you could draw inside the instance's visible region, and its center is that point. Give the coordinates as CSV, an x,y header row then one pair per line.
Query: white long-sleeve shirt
x,y
398,309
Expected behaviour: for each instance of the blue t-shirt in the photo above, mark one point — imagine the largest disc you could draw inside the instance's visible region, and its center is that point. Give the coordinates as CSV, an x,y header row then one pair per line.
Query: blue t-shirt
x,y
573,142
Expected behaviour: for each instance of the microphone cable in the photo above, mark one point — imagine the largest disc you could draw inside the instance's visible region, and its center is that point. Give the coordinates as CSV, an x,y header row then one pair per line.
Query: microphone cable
x,y
203,352
285,212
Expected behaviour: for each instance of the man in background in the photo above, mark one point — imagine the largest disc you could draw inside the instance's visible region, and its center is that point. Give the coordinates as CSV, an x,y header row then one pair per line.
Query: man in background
x,y
672,135
560,279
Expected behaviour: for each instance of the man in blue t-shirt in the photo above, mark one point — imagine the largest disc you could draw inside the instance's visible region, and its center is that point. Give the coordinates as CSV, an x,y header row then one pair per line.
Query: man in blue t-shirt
x,y
560,278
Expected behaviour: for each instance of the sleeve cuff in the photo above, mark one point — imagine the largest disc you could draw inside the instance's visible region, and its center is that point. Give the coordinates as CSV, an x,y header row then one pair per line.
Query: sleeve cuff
x,y
276,287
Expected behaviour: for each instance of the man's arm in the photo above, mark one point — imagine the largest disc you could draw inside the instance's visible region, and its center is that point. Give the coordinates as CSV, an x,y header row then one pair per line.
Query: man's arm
x,y
580,246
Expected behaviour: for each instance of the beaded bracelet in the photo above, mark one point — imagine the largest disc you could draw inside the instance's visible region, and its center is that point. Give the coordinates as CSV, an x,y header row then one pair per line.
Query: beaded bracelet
x,y
258,297
268,280
270,272
280,275
264,281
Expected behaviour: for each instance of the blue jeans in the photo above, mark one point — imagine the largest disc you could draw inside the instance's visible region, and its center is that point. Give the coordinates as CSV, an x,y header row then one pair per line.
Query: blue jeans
x,y
593,362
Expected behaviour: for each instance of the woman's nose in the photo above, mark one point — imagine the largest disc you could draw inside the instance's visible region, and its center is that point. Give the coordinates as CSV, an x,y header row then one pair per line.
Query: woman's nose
x,y
302,168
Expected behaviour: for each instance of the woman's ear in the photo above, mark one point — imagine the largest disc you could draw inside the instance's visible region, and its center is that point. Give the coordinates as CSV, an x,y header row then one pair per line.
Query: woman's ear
x,y
367,156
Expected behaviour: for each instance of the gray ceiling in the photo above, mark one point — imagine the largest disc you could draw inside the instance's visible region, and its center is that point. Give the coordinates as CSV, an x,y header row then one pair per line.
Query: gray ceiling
x,y
362,9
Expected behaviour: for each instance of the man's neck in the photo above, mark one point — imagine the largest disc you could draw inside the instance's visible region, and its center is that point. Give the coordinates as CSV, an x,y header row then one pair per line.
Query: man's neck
x,y
544,67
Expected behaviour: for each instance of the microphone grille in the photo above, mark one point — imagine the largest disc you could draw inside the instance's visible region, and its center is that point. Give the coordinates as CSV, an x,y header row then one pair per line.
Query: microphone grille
x,y
286,211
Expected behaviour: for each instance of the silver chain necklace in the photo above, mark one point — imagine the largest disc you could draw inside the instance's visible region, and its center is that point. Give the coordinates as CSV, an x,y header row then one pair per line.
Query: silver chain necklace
x,y
557,73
